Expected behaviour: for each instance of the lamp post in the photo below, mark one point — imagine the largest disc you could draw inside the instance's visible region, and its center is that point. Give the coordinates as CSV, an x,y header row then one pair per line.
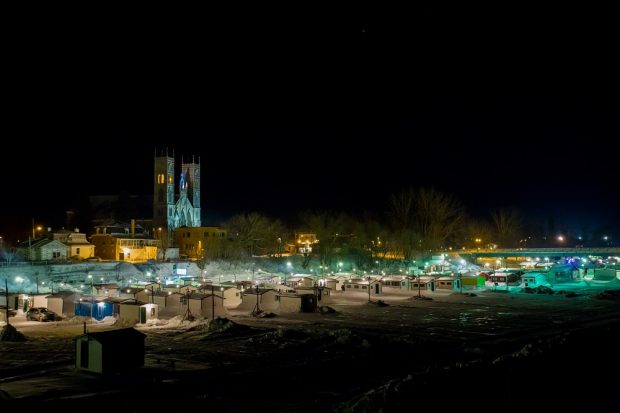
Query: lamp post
x,y
92,296
289,267
461,277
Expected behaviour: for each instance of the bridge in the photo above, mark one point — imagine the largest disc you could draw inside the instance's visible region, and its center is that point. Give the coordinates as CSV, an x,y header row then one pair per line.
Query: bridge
x,y
538,252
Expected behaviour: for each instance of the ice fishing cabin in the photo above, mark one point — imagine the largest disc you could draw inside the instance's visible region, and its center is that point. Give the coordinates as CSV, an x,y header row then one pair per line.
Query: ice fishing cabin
x,y
110,351
131,311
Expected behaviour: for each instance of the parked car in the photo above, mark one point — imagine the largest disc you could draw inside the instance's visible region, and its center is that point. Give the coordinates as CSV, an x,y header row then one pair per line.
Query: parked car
x,y
12,313
40,314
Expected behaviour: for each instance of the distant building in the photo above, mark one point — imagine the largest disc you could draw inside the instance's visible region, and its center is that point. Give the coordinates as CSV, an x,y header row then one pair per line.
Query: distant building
x,y
304,242
43,250
192,242
121,229
110,247
76,242
175,207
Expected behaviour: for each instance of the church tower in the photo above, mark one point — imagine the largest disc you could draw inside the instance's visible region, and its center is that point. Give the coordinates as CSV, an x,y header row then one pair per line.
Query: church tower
x,y
163,196
191,176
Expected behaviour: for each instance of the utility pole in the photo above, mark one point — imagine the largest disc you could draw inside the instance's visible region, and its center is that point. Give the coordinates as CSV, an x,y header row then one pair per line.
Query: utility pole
x,y
419,287
212,302
188,314
257,309
6,298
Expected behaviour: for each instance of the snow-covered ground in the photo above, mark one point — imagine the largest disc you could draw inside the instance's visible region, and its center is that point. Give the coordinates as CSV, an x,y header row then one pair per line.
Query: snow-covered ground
x,y
313,361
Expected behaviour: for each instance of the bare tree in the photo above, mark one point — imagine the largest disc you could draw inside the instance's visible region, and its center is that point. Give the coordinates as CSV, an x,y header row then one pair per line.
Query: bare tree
x,y
477,233
425,219
254,234
507,226
330,230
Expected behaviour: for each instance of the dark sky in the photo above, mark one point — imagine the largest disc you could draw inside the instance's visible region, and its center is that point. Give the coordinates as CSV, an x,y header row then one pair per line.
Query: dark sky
x,y
319,111
548,156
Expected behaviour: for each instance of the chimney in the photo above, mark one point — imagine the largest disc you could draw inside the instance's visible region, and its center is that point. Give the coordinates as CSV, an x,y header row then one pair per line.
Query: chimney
x,y
133,228
70,219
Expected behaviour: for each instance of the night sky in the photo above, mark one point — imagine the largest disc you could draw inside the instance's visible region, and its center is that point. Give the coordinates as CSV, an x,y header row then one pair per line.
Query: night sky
x,y
321,112
547,156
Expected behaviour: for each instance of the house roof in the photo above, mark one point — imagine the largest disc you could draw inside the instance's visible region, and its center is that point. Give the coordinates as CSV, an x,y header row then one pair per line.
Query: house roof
x,y
62,294
117,336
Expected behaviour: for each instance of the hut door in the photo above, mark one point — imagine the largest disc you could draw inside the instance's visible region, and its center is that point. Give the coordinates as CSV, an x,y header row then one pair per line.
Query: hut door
x,y
142,315
84,354
377,288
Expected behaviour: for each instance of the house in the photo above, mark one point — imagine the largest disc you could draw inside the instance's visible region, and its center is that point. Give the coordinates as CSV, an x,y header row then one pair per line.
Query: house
x,y
43,250
232,295
76,242
295,303
395,282
194,241
300,281
178,288
110,351
422,283
17,301
444,283
265,298
534,279
323,294
139,294
97,309
169,303
117,248
131,311
206,305
509,277
108,290
561,273
472,281
63,303
334,283
362,284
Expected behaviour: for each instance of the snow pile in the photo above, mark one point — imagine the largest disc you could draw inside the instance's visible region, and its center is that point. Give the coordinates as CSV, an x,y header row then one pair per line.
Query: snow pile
x,y
221,325
541,289
10,333
325,309
80,319
609,295
123,323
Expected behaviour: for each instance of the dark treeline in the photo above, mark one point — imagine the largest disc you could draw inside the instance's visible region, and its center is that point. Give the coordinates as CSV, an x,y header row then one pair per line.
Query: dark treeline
x,y
416,223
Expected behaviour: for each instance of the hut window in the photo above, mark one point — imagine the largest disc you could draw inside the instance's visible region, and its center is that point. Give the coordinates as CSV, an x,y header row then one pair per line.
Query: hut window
x,y
357,286
363,287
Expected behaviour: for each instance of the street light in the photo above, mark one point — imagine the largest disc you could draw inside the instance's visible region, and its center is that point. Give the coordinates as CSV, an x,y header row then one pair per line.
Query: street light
x,y
461,277
289,267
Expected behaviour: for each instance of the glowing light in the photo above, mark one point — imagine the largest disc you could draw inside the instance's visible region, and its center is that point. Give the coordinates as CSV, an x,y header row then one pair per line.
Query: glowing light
x,y
560,238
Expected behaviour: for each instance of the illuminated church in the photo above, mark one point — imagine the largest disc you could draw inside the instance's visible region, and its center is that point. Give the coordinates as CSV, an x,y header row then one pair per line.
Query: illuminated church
x,y
175,207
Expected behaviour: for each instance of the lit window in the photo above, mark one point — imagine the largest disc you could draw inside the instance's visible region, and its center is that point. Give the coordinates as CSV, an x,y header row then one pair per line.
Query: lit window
x,y
169,179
